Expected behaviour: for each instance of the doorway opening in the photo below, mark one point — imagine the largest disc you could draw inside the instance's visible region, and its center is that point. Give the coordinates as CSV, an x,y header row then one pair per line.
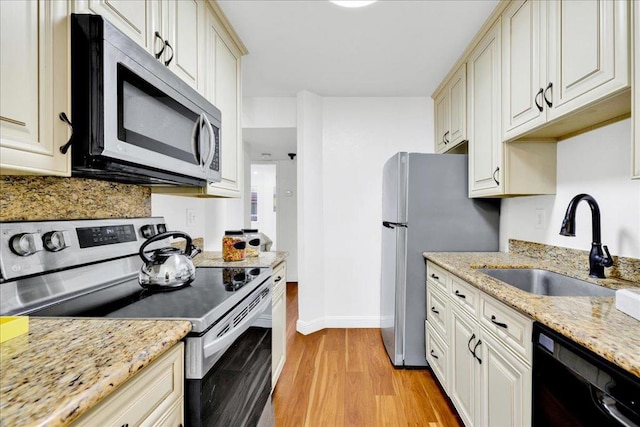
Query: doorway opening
x,y
264,195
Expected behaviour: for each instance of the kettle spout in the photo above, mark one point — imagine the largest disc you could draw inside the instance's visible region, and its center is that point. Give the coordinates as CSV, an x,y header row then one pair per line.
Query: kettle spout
x,y
194,251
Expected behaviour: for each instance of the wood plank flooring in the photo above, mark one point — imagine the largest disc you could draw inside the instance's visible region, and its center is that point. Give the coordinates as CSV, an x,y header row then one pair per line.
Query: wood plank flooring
x,y
343,377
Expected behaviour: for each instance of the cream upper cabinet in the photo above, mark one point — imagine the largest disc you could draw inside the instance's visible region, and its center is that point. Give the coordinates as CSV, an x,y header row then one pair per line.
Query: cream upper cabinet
x,y
524,66
588,52
485,136
176,29
636,92
451,112
561,57
132,17
221,85
34,87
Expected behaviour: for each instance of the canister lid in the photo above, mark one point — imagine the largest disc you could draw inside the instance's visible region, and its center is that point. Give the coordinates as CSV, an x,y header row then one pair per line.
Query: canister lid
x,y
250,230
233,232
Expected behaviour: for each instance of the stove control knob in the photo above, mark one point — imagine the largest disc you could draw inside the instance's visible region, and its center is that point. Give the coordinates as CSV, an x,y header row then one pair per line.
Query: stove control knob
x,y
25,244
162,228
55,241
148,231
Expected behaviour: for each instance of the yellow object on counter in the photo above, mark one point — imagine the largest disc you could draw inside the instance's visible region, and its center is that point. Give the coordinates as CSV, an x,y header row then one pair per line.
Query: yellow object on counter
x,y
13,326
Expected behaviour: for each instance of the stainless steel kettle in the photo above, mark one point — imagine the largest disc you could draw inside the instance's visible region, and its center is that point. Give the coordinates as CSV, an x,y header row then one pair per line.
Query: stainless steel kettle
x,y
168,267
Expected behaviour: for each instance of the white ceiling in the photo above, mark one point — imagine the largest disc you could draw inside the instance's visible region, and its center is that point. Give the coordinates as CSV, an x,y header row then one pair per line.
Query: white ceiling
x,y
390,48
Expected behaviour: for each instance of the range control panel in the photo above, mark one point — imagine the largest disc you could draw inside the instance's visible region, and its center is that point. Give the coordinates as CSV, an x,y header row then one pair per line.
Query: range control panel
x,y
34,247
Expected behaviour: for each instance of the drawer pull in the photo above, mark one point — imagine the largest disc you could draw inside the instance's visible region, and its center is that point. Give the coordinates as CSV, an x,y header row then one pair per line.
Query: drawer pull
x,y
277,279
433,275
493,320
459,295
433,309
434,355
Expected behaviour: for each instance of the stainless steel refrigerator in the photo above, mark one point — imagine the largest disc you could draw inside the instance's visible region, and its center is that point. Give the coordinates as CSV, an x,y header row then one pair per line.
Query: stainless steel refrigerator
x,y
425,207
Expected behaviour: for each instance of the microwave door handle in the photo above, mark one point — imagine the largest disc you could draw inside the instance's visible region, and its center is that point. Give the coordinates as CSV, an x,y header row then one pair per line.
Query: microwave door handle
x,y
195,141
212,143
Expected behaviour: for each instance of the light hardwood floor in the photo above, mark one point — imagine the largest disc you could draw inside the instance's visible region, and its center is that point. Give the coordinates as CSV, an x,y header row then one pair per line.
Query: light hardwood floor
x,y
343,377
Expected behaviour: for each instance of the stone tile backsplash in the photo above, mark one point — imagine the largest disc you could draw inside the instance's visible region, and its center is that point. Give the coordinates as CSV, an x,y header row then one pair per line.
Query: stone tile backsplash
x,y
623,268
25,198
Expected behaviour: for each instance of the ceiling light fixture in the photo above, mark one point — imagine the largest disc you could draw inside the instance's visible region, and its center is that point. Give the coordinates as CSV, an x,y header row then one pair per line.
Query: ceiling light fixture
x,y
265,156
353,3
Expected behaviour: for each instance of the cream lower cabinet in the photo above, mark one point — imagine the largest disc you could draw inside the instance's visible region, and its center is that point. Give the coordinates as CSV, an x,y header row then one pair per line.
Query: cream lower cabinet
x,y
33,88
153,397
498,169
279,322
483,360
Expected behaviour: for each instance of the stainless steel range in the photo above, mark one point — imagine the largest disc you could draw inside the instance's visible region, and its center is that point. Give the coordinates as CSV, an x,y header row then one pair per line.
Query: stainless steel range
x,y
89,268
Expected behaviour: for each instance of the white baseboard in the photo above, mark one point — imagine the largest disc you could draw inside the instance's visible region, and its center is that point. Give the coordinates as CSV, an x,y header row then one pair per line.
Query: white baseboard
x,y
341,322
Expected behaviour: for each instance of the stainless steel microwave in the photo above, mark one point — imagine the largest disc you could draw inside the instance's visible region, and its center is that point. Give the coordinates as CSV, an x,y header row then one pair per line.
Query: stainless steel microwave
x,y
134,120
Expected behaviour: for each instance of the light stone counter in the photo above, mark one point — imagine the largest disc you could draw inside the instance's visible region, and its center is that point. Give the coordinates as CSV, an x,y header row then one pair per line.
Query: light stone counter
x,y
63,367
265,260
592,322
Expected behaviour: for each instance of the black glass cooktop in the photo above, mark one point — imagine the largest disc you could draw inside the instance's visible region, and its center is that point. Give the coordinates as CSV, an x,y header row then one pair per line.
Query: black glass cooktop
x,y
214,291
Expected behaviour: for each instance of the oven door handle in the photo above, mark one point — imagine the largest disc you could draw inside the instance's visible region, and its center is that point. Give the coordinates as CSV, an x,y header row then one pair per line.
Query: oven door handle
x,y
227,339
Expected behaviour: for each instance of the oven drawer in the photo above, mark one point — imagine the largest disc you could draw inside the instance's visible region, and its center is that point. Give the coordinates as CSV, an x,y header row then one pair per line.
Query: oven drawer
x,y
146,398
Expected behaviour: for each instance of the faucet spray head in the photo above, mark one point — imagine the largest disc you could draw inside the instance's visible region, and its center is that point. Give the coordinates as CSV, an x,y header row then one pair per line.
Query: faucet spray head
x,y
568,227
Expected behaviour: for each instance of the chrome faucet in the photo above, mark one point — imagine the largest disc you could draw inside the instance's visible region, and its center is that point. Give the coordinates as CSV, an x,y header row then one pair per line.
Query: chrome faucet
x,y
597,260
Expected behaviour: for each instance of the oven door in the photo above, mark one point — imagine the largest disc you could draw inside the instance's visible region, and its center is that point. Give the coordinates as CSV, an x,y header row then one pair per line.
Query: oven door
x,y
235,387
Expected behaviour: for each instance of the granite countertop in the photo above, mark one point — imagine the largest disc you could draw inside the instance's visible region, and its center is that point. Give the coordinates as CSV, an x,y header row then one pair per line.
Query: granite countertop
x,y
592,322
63,367
266,259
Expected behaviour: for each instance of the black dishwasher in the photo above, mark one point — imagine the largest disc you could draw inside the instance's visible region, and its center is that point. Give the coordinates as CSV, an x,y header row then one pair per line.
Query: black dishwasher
x,y
572,386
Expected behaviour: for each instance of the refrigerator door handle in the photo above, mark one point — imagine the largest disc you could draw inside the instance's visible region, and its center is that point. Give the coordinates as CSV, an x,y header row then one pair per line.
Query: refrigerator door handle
x,y
392,225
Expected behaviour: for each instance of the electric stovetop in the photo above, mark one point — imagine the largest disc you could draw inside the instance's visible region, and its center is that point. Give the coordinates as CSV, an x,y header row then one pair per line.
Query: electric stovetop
x,y
213,293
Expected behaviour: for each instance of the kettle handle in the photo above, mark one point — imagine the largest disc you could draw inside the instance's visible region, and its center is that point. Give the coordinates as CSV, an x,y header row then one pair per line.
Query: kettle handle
x,y
188,247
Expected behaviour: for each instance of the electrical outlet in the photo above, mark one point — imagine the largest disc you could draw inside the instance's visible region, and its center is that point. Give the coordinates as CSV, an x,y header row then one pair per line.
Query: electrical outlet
x,y
192,217
540,219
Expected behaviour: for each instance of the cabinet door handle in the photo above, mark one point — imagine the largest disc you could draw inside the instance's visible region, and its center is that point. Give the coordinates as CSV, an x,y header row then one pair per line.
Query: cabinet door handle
x,y
502,325
469,343
159,54
433,310
539,105
168,61
433,275
474,351
434,355
277,279
549,88
63,117
494,175
459,295
444,137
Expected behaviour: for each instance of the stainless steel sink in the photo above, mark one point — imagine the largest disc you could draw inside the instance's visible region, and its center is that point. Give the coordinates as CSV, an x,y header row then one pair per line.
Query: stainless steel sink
x,y
545,282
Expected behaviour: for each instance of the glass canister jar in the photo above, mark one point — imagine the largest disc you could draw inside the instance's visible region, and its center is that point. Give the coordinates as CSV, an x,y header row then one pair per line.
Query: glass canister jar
x,y
253,241
233,245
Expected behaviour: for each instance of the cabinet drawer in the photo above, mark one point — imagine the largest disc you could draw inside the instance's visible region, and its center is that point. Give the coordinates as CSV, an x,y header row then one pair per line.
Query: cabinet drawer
x,y
437,356
437,310
465,295
511,327
174,417
279,277
438,276
144,398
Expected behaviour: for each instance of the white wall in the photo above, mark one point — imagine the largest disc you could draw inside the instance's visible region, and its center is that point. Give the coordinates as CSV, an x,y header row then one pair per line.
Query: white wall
x,y
268,112
287,214
342,185
597,163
